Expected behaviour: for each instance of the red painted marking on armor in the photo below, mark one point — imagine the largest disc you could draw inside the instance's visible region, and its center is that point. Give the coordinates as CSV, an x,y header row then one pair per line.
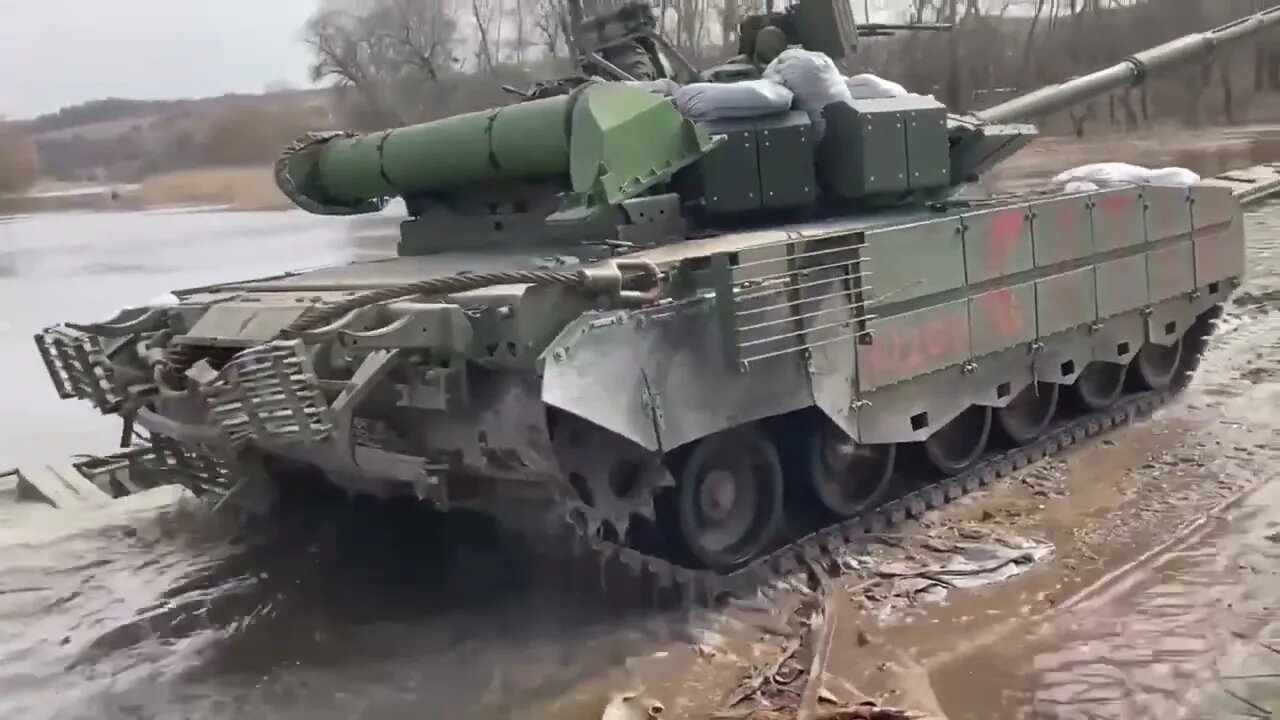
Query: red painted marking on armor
x,y
999,306
1169,220
913,349
1068,217
1006,227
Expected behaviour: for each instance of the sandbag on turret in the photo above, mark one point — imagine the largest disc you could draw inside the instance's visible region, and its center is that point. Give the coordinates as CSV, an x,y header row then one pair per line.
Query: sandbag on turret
x,y
866,85
812,76
721,101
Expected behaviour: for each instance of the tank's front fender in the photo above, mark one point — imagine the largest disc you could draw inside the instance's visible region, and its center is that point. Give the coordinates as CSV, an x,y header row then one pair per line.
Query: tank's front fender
x,y
659,377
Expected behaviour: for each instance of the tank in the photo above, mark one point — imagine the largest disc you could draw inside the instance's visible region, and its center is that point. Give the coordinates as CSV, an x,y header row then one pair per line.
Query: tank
x,y
707,352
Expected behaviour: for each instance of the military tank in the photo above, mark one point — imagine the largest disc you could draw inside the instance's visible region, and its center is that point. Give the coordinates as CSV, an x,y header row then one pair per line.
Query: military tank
x,y
710,351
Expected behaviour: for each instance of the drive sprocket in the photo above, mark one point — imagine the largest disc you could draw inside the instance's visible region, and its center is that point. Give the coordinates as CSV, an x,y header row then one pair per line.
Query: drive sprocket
x,y
613,479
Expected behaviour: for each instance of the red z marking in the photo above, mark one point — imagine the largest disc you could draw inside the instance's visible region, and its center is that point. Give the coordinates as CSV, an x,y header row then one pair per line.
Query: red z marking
x,y
999,306
914,349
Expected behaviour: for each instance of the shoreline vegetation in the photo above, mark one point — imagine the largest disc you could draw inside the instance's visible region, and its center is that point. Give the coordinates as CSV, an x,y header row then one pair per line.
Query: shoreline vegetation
x,y
387,63
252,188
244,188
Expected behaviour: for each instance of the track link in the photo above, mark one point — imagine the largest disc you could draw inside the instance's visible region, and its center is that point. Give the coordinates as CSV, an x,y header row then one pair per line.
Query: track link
x,y
818,553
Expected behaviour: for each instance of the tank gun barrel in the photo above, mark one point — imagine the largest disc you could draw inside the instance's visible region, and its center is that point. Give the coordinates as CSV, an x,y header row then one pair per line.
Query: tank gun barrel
x,y
882,29
1131,71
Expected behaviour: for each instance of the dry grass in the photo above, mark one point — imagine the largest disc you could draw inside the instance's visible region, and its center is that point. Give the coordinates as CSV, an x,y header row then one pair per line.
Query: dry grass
x,y
238,188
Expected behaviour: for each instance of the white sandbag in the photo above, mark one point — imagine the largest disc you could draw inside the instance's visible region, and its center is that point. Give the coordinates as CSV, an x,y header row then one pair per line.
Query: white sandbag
x,y
665,87
1080,186
1110,175
867,85
1102,174
812,76
1173,176
716,101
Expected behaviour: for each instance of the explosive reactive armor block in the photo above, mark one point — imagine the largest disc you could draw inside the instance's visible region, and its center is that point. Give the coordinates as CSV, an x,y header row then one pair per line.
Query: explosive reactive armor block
x,y
764,163
877,146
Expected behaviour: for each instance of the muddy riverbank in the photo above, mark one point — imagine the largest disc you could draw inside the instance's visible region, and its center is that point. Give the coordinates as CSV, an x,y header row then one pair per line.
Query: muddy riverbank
x,y
239,188
252,188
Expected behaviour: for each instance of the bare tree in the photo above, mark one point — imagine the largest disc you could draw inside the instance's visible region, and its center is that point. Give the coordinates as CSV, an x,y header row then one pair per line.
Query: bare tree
x,y
398,59
376,53
482,14
551,23
423,32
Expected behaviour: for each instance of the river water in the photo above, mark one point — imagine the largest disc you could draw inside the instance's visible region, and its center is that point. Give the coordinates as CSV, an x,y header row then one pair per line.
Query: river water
x,y
84,266
152,608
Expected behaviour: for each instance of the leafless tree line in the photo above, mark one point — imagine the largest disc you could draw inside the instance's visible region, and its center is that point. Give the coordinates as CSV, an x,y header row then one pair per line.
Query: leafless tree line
x,y
398,61
1006,46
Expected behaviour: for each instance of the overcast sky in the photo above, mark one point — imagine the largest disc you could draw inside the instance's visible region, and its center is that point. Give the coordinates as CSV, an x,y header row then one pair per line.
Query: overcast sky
x,y
55,53
61,52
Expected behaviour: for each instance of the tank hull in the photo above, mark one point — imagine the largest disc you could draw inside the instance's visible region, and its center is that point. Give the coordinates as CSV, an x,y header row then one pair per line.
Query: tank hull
x,y
617,414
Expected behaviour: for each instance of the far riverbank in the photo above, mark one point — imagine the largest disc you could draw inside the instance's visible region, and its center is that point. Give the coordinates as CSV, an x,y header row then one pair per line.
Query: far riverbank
x,y
243,188
1207,151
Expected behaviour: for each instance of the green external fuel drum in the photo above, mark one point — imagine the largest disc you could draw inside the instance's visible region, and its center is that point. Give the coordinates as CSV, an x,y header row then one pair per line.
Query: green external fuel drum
x,y
526,141
606,141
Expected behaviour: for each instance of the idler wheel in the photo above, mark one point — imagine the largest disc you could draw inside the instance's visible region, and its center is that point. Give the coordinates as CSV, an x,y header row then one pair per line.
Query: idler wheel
x,y
1028,415
848,477
1098,387
958,445
1155,366
729,501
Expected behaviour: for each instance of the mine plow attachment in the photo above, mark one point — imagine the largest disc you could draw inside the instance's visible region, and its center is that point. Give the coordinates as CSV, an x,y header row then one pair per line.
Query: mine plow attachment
x,y
86,480
270,394
77,365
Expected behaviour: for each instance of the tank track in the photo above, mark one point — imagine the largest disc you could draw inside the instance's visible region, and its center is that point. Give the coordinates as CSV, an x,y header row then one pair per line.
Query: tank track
x,y
817,554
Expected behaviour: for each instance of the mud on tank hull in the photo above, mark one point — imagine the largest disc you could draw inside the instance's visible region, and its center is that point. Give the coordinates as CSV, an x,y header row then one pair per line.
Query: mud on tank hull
x,y
841,366
389,399
707,420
